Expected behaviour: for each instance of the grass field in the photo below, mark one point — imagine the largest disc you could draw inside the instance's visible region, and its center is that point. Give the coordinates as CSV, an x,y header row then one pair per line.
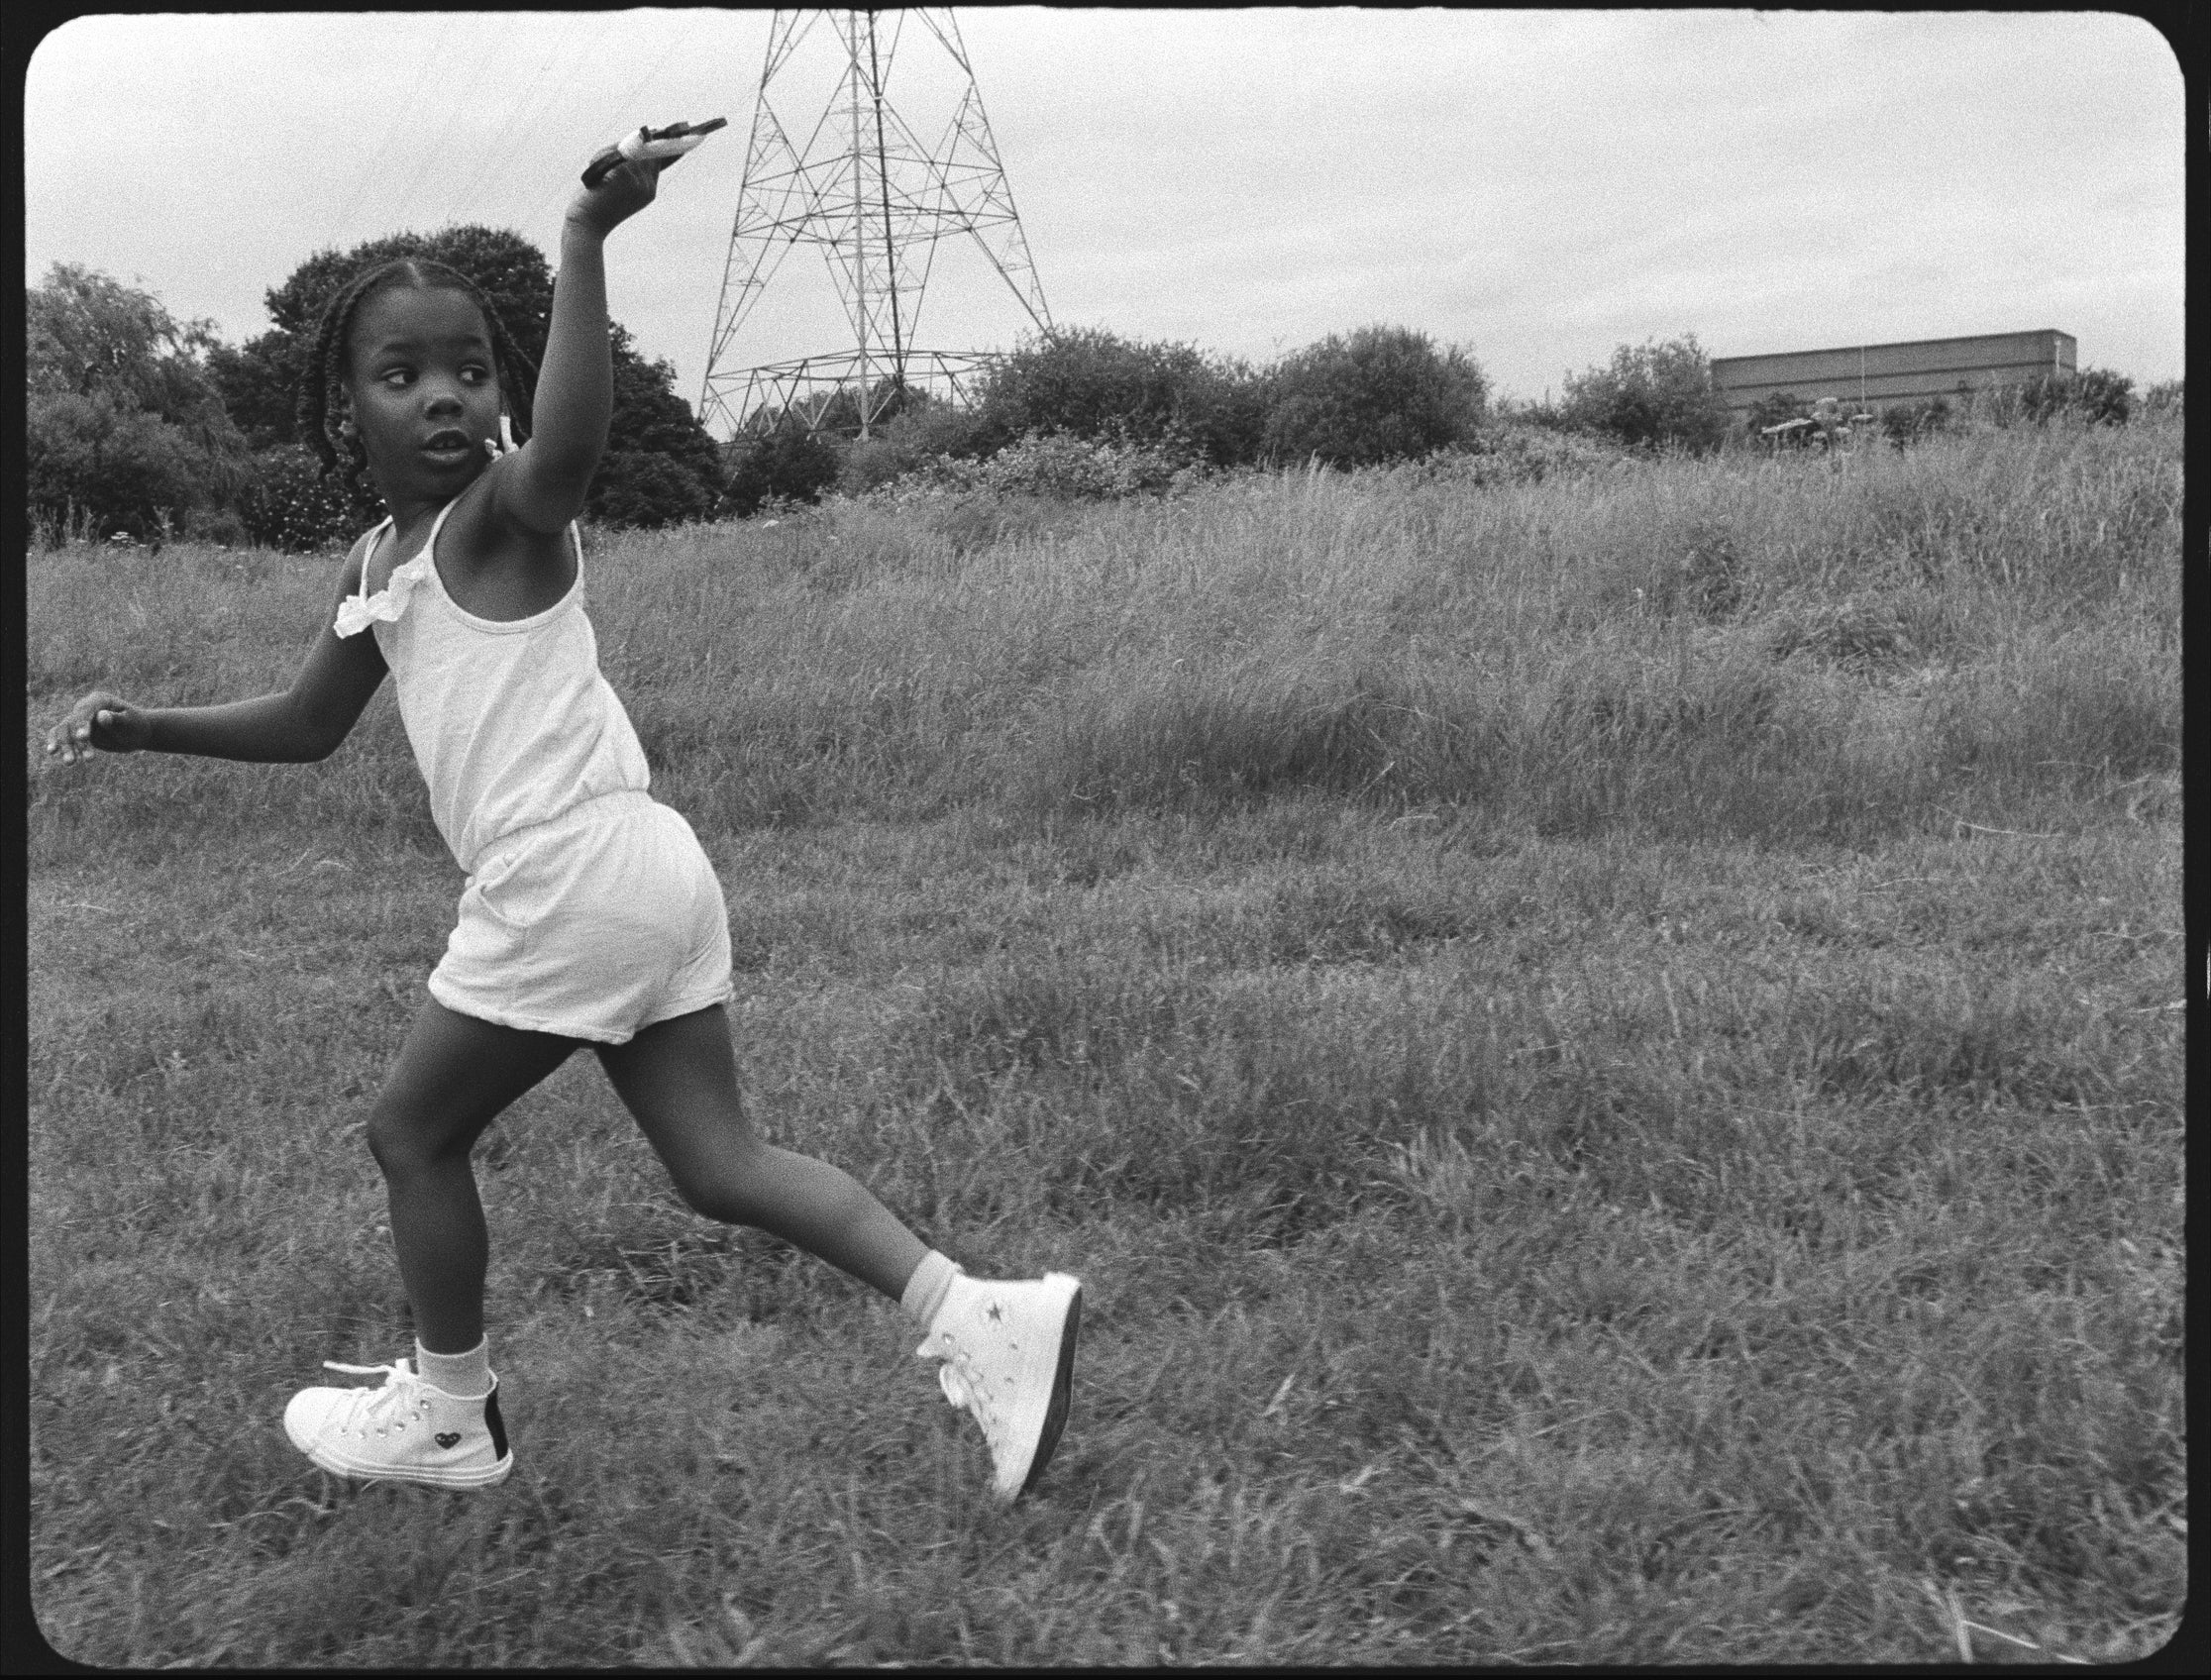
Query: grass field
x,y
1608,1051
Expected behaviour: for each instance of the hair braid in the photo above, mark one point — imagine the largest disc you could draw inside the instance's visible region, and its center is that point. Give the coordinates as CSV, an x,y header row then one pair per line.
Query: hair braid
x,y
323,377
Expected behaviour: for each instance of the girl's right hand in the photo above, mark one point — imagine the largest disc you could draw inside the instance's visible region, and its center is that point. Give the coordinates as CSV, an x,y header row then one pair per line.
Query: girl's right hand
x,y
100,720
621,193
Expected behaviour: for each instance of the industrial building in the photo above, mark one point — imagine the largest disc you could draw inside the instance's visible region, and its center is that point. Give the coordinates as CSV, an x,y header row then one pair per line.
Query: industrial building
x,y
1874,375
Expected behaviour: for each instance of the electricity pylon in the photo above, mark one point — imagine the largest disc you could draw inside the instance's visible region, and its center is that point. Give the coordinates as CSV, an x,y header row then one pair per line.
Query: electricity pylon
x,y
878,201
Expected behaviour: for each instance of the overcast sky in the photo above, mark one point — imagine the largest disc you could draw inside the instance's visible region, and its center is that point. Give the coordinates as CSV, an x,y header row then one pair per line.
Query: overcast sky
x,y
1538,186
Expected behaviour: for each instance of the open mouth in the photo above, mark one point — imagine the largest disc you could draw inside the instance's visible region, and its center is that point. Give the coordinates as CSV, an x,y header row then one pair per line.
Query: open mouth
x,y
447,445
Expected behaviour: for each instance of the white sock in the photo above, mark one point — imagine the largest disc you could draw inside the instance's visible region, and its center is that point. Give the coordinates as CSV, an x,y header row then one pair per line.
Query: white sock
x,y
466,1375
926,1288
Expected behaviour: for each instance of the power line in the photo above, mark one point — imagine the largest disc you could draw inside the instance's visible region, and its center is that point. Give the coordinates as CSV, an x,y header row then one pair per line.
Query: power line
x,y
495,152
400,113
519,141
469,79
565,182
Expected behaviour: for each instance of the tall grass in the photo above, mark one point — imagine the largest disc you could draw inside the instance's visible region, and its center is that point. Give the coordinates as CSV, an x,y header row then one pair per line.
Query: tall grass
x,y
1771,651
1605,1049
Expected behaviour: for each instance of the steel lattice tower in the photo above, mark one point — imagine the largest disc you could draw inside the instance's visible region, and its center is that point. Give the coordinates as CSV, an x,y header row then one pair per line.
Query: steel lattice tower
x,y
878,201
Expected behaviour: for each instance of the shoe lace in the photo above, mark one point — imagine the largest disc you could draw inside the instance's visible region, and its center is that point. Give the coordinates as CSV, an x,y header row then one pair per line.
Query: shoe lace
x,y
400,1390
957,1376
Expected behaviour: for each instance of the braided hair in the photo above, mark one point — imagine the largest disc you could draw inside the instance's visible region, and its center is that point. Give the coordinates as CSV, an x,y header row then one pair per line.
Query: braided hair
x,y
327,363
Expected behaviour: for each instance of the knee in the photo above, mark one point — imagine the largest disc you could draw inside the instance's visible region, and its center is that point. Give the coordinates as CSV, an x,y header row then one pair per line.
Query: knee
x,y
733,1188
401,1142
720,1195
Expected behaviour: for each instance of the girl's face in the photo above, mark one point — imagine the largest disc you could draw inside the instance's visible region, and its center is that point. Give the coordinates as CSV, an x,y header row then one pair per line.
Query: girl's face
x,y
424,390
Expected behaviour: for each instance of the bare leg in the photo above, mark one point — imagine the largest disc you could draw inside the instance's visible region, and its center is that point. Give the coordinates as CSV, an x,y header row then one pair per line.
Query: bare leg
x,y
454,1075
679,1080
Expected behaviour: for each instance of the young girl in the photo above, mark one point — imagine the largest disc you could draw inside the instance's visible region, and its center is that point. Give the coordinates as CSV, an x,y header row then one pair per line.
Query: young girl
x,y
591,915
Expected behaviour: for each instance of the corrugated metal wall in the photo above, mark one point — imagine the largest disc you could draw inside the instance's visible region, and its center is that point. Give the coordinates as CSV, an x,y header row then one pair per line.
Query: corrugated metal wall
x,y
1882,373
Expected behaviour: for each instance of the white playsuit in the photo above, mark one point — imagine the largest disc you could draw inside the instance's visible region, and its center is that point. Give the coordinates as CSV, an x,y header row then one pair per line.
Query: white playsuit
x,y
592,910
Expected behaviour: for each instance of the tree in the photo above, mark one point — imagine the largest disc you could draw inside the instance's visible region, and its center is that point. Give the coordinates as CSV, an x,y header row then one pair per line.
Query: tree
x,y
649,419
1383,393
259,385
90,335
122,422
661,466
1653,394
508,269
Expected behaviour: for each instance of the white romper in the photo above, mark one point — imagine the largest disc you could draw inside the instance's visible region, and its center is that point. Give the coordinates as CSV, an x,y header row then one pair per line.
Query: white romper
x,y
592,910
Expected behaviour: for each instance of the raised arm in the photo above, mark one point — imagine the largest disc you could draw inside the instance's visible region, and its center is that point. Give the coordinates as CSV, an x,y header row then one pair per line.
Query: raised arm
x,y
296,725
542,485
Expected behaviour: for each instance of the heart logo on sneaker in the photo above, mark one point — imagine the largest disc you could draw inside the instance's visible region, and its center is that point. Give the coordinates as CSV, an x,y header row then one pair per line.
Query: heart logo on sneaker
x,y
453,1439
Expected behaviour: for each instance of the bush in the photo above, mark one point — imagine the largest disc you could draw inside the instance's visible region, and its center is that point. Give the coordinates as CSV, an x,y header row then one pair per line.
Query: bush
x,y
1905,423
109,461
1514,451
2100,397
1545,414
922,431
288,502
2094,395
220,526
1092,384
1777,408
1653,395
788,466
2162,398
1382,394
638,488
1061,465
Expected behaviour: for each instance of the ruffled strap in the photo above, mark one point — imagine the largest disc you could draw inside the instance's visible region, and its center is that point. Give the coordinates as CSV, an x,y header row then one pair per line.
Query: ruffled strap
x,y
356,612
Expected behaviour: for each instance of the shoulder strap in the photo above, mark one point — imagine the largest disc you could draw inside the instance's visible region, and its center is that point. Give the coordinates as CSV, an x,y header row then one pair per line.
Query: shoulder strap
x,y
436,525
369,553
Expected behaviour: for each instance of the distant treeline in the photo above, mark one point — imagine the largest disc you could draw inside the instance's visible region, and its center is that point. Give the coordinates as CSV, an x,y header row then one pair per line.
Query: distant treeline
x,y
145,427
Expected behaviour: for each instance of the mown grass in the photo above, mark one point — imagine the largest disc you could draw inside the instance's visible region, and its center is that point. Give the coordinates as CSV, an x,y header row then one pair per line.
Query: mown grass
x,y
1607,1052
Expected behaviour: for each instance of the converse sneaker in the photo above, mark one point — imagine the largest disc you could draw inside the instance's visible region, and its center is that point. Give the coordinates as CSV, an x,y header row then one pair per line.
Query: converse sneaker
x,y
1008,1352
404,1430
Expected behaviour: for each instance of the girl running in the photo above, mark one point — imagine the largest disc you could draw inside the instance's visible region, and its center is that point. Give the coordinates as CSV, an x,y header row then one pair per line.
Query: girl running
x,y
591,917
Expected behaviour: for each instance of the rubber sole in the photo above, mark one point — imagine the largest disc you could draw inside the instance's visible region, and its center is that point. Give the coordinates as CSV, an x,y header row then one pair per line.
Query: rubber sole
x,y
322,1458
1063,1381
459,1479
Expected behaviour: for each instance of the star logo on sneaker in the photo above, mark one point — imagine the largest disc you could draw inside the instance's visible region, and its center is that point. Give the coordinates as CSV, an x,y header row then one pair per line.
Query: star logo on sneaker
x,y
996,1312
450,1439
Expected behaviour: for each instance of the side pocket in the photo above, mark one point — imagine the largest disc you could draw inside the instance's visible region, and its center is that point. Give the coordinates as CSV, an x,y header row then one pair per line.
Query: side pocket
x,y
501,890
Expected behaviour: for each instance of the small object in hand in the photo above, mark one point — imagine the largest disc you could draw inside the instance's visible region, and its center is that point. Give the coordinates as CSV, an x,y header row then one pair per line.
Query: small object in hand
x,y
660,146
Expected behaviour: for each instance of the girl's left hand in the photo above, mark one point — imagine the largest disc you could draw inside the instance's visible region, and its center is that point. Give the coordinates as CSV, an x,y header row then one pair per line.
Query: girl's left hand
x,y
626,190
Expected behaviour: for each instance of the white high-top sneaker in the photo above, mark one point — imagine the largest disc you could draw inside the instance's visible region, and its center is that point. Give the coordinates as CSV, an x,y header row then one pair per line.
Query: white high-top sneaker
x,y
1008,1352
404,1430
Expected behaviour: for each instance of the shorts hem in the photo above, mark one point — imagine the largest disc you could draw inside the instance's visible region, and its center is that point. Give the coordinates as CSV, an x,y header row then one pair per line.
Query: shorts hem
x,y
522,1023
590,1035
676,1010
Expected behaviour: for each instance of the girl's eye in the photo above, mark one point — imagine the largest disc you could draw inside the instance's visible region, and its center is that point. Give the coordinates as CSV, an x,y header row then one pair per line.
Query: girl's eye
x,y
476,375
397,376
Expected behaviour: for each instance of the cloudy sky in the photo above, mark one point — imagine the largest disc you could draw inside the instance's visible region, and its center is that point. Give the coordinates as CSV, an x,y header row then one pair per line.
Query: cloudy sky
x,y
1538,186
